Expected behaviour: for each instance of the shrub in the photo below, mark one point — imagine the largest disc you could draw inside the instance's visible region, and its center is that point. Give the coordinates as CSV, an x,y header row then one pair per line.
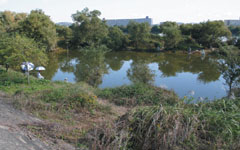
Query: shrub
x,y
7,78
138,94
71,95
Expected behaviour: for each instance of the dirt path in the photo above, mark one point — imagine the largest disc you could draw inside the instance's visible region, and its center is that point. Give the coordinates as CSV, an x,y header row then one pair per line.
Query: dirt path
x,y
13,137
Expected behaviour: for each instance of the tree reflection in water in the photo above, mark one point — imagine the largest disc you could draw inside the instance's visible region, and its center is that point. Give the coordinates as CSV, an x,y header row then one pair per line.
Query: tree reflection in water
x,y
207,69
90,67
139,72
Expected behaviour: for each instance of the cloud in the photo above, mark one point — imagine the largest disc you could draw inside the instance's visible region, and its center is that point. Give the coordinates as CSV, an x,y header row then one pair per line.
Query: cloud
x,y
3,1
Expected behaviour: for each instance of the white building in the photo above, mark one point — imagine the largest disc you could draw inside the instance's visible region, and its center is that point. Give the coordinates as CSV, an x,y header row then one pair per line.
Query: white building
x,y
232,22
124,22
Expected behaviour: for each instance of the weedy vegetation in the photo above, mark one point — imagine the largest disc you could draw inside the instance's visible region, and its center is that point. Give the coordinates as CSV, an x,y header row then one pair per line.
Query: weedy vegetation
x,y
158,119
138,94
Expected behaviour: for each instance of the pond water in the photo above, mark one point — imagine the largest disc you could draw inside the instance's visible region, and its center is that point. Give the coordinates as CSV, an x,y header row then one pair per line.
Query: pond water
x,y
187,75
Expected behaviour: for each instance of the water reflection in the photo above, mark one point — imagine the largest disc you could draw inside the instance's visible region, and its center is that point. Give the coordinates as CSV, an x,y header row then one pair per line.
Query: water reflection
x,y
139,71
99,69
207,69
52,67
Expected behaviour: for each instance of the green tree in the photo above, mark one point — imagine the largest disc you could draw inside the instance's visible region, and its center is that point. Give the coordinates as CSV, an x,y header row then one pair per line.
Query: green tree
x,y
116,39
186,29
17,49
64,36
139,34
88,28
155,29
209,33
124,29
172,34
230,69
235,30
9,21
187,39
39,26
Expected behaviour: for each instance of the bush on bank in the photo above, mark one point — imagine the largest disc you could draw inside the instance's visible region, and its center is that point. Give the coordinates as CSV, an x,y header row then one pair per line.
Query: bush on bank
x,y
138,94
214,125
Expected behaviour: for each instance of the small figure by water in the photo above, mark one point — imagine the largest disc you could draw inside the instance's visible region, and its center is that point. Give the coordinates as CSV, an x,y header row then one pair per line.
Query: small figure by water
x,y
189,50
39,76
203,52
39,69
231,95
191,93
66,80
7,66
200,99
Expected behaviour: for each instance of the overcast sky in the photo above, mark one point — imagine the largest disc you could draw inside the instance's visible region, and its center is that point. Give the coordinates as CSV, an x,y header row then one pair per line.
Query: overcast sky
x,y
159,10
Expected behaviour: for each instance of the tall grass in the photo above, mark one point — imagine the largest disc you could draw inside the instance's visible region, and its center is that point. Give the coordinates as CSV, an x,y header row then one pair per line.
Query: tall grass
x,y
203,126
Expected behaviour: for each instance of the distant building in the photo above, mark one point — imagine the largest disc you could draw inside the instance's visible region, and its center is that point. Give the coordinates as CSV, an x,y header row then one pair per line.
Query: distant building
x,y
232,22
124,22
66,24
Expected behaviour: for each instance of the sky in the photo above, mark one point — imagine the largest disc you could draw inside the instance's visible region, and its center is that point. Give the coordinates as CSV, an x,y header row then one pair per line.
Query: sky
x,y
187,11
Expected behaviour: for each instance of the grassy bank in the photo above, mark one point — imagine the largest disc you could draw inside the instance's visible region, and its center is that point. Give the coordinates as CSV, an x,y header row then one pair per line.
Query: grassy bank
x,y
203,126
96,119
69,110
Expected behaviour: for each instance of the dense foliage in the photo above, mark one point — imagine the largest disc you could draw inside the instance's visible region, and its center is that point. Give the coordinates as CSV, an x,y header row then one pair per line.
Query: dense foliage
x,y
39,27
139,34
9,21
16,49
88,28
26,37
172,34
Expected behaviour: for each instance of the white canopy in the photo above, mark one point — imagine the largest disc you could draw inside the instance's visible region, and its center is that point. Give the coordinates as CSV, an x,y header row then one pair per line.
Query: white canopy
x,y
27,66
40,68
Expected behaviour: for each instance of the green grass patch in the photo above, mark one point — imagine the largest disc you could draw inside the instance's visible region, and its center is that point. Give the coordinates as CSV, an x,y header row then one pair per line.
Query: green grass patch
x,y
138,94
47,92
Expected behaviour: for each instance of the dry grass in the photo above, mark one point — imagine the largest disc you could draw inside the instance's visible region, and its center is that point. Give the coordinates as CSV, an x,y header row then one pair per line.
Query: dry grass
x,y
203,126
66,124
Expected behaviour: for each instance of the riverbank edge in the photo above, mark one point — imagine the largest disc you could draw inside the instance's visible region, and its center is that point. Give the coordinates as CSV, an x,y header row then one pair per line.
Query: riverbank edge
x,y
97,115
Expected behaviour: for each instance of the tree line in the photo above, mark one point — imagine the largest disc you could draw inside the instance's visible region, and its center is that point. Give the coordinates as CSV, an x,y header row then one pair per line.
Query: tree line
x,y
89,30
29,37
